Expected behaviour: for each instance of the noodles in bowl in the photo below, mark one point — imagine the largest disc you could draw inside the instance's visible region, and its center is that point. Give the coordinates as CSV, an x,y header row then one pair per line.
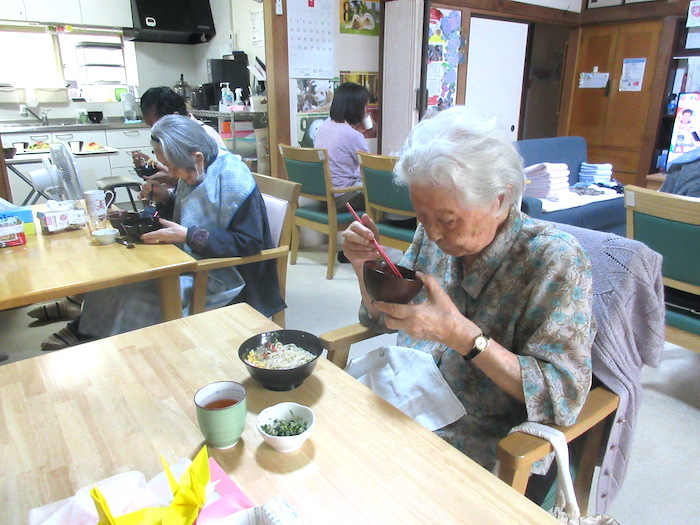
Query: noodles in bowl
x,y
274,355
281,359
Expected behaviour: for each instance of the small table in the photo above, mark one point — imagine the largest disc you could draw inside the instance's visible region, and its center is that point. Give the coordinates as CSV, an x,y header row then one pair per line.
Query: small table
x,y
85,413
655,180
52,266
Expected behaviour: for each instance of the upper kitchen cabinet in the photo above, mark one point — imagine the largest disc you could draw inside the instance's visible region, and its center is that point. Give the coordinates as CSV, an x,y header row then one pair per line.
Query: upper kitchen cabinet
x,y
12,10
614,118
108,13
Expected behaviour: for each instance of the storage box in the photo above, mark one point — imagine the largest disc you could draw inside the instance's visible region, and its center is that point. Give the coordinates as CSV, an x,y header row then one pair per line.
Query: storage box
x,y
26,216
11,232
56,221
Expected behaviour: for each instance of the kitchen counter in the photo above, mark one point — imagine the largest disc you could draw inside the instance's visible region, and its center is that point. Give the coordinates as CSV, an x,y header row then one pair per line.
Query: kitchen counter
x,y
63,125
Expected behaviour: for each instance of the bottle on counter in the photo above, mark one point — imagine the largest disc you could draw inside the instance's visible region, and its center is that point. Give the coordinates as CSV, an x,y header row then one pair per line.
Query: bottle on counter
x,y
183,89
226,98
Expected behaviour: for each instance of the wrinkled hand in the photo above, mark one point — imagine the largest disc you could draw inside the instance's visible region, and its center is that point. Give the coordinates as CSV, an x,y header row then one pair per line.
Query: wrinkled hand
x,y
357,240
162,177
170,233
435,319
160,191
139,158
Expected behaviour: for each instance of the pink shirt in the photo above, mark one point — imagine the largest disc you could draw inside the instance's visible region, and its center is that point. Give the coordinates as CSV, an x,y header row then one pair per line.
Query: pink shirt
x,y
342,142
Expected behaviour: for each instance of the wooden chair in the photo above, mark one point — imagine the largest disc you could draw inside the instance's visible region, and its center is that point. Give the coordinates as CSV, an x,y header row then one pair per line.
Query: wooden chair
x,y
382,196
281,198
518,452
309,167
670,225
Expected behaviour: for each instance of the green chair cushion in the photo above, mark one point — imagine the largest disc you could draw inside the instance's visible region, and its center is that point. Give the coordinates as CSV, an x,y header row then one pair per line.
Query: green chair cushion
x,y
683,320
396,232
313,212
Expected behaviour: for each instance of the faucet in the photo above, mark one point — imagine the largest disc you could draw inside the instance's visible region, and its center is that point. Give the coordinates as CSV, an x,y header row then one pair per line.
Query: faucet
x,y
25,111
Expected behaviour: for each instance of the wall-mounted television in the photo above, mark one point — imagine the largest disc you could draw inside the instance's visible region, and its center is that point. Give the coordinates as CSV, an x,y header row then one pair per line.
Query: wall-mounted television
x,y
685,135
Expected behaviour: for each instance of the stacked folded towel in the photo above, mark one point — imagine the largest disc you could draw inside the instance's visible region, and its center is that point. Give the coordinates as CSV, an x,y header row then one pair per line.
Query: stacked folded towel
x,y
594,173
547,180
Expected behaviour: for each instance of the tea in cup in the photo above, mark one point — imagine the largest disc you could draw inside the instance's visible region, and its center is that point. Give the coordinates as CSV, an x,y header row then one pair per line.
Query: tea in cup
x,y
221,412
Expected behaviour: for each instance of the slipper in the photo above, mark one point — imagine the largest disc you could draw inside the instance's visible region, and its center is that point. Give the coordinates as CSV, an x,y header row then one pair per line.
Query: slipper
x,y
67,308
64,338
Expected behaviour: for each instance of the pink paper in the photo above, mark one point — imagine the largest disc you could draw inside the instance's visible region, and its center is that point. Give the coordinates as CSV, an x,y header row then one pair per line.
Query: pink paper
x,y
231,497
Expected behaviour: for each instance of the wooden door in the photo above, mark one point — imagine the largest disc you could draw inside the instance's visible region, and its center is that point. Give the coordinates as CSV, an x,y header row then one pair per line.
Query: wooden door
x,y
614,120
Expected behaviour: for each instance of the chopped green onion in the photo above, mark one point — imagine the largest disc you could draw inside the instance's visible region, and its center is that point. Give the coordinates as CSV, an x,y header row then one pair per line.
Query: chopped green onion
x,y
285,427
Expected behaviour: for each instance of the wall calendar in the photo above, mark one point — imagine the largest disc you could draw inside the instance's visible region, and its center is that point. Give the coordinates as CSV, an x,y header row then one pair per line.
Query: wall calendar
x,y
310,38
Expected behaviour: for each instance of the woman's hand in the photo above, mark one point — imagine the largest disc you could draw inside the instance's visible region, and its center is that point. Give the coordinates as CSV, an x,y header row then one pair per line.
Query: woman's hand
x,y
159,191
357,240
170,233
435,319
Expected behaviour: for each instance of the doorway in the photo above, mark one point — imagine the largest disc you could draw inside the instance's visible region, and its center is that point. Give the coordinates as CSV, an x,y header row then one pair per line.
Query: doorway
x,y
510,69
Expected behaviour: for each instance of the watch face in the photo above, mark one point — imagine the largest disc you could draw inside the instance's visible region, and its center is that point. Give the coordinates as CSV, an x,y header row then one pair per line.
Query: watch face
x,y
481,342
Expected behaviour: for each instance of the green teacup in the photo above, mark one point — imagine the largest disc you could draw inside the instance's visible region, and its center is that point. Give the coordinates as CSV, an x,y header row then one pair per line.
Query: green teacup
x,y
221,413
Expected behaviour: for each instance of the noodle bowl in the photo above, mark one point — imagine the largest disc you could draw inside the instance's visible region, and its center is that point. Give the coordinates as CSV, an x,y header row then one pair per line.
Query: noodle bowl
x,y
281,359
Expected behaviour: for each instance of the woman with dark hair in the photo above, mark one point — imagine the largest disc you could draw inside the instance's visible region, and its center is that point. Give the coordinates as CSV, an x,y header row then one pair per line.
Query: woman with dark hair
x,y
342,136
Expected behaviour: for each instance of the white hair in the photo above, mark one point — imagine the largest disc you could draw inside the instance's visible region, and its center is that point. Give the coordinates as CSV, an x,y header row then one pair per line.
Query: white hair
x,y
460,149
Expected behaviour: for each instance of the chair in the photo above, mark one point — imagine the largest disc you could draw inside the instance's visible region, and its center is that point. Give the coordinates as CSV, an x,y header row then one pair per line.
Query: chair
x,y
121,181
604,418
309,167
280,201
670,225
382,196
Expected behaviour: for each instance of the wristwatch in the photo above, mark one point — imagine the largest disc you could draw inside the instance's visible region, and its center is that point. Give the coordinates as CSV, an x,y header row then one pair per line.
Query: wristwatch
x,y
481,343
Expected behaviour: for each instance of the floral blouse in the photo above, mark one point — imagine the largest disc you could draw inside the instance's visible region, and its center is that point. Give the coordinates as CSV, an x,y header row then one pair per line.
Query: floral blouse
x,y
531,291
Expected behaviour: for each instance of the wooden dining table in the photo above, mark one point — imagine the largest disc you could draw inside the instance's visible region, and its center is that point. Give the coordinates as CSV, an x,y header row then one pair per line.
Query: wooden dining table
x,y
80,415
56,265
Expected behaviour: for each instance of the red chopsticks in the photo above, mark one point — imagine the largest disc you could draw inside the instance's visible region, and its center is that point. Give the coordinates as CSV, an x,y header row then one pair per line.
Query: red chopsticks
x,y
381,251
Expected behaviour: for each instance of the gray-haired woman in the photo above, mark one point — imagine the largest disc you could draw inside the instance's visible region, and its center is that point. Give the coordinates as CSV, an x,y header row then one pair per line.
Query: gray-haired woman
x,y
216,211
506,308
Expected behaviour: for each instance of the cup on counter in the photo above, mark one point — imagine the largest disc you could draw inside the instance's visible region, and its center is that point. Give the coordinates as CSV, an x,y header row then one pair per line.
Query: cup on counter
x,y
21,147
76,146
221,412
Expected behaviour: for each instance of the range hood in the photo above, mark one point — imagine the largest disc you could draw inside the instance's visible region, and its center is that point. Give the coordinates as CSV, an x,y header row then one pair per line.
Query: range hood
x,y
171,21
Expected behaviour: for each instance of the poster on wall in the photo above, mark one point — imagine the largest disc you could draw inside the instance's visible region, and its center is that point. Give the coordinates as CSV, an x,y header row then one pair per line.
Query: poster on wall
x,y
307,128
359,17
445,54
310,38
632,74
370,80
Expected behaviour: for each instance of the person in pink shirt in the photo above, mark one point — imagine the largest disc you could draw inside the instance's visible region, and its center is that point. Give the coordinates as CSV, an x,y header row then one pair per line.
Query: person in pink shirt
x,y
342,136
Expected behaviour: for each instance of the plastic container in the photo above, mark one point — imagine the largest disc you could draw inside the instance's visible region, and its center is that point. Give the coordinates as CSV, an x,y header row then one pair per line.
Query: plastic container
x,y
226,98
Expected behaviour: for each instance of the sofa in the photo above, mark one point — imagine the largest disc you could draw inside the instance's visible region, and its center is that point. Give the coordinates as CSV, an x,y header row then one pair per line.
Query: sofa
x,y
607,215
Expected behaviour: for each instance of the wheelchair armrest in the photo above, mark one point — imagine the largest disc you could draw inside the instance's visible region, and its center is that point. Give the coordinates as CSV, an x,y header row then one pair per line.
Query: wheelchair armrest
x,y
337,342
532,206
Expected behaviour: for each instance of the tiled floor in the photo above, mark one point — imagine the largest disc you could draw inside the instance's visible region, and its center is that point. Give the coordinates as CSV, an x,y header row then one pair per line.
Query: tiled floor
x,y
662,485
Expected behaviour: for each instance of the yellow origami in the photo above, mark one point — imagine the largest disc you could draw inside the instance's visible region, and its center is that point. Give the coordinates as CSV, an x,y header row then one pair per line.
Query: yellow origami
x,y
189,496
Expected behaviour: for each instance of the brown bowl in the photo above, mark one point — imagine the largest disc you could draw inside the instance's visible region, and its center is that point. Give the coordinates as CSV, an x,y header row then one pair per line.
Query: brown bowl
x,y
383,285
9,152
117,217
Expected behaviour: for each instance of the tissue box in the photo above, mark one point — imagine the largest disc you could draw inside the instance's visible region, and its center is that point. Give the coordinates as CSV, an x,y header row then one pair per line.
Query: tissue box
x,y
26,216
11,232
56,221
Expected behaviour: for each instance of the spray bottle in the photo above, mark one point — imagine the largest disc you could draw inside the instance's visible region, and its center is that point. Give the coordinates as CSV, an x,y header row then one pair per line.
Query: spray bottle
x,y
226,98
238,104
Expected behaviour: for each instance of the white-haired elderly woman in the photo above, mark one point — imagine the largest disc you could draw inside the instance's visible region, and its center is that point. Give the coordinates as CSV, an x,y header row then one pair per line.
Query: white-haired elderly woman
x,y
216,211
506,306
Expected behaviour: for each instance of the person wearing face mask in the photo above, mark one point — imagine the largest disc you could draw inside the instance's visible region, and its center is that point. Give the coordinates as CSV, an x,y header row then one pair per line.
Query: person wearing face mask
x,y
506,310
217,211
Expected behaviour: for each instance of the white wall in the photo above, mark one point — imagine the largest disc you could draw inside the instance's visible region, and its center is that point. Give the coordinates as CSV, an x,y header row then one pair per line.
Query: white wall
x,y
158,65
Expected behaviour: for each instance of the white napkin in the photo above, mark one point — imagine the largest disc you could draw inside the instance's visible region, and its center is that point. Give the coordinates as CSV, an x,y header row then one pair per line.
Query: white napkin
x,y
409,380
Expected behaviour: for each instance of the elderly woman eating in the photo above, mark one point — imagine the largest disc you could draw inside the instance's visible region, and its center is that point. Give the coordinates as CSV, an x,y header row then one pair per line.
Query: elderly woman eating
x,y
506,308
216,211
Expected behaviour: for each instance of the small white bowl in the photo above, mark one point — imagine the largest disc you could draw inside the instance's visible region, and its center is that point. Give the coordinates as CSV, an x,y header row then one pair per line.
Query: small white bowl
x,y
105,235
286,411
